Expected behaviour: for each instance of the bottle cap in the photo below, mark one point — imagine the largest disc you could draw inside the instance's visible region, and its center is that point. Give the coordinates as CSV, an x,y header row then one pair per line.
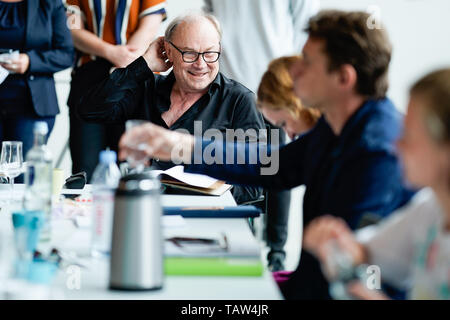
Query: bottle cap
x,y
107,156
41,127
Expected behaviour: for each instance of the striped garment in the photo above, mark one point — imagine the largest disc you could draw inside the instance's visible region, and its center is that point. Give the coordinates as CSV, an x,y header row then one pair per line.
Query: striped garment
x,y
114,21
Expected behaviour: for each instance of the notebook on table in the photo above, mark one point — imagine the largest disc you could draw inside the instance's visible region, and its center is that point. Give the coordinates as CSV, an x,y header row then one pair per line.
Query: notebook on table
x,y
211,253
191,183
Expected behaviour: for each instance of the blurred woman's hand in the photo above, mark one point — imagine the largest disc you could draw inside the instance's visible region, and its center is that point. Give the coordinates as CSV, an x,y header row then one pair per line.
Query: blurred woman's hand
x,y
324,230
19,65
357,290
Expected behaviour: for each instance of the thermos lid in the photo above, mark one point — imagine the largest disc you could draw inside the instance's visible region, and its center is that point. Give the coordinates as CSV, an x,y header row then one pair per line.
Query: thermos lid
x,y
139,184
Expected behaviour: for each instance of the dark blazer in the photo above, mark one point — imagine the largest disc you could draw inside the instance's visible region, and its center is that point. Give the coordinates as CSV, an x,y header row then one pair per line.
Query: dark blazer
x,y
350,175
50,48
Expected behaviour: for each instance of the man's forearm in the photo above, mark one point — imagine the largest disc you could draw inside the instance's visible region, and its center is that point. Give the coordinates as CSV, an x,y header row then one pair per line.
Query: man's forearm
x,y
118,96
89,43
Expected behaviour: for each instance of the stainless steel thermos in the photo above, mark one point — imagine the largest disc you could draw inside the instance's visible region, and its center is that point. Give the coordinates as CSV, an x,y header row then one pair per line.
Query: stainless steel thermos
x,y
137,240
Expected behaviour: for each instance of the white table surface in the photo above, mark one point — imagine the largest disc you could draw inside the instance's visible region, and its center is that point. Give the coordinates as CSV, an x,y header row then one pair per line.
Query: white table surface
x,y
93,278
167,200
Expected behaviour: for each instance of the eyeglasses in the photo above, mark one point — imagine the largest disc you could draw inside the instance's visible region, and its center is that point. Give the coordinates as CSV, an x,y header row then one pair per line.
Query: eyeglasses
x,y
192,56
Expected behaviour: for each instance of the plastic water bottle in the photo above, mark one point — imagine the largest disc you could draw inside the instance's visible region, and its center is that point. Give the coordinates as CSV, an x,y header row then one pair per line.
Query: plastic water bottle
x,y
39,178
104,183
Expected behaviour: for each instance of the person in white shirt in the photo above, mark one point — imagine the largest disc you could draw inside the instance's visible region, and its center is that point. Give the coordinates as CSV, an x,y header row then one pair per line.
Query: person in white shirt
x,y
255,33
412,246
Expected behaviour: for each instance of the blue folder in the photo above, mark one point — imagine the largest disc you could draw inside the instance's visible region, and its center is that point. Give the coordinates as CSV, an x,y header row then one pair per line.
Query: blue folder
x,y
214,212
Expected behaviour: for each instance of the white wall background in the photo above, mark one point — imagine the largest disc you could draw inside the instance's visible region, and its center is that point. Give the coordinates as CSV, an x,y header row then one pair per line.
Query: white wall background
x,y
419,31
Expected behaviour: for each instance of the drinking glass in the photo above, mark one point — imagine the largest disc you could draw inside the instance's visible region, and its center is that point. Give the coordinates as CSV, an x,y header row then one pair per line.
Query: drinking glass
x,y
11,161
137,160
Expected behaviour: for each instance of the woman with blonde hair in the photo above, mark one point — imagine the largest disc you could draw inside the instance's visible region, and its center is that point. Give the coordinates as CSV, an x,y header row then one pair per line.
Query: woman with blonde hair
x,y
283,109
278,102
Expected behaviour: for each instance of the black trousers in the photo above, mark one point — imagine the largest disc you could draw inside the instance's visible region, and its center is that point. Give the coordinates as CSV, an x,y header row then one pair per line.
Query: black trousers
x,y
277,220
86,140
278,204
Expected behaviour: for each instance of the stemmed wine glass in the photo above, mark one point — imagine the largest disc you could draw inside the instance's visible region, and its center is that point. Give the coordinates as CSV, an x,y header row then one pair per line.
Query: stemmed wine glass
x,y
11,161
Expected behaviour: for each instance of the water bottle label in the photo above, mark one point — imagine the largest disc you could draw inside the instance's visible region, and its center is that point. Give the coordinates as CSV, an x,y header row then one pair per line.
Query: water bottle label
x,y
102,221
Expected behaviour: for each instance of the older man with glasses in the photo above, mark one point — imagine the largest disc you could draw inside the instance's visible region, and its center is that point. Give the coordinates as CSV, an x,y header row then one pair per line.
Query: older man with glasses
x,y
194,90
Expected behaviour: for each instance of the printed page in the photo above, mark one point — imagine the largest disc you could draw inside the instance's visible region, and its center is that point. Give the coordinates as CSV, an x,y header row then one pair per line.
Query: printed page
x,y
197,180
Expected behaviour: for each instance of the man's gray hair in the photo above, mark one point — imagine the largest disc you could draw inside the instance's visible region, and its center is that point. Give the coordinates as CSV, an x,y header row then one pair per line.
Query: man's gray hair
x,y
190,17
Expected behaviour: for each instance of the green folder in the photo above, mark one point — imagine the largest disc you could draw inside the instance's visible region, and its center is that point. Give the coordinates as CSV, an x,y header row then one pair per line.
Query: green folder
x,y
215,266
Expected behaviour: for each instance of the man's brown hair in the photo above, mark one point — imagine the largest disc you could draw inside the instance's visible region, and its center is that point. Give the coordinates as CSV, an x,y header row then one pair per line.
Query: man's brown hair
x,y
348,39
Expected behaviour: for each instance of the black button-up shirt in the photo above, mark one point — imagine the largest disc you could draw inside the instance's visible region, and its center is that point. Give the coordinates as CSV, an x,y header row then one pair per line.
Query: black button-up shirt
x,y
136,93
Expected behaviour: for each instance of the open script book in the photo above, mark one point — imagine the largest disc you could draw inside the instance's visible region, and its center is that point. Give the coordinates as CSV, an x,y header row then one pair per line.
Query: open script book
x,y
175,177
